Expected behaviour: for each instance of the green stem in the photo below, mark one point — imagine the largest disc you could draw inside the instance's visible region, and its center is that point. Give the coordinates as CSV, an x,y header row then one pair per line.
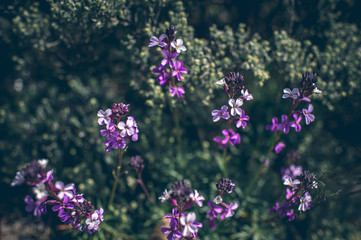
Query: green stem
x,y
116,178
179,135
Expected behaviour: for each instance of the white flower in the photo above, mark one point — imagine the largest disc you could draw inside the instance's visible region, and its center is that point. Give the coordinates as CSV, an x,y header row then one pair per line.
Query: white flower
x,y
178,45
93,221
288,93
246,95
218,200
221,82
316,90
40,191
190,226
305,202
292,183
235,106
165,196
43,162
197,198
104,116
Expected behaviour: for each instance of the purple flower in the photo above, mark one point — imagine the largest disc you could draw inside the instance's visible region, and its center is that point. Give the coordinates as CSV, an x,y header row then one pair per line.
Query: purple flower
x,y
109,131
291,215
178,45
195,197
308,116
49,176
290,182
275,125
305,202
235,106
64,190
245,95
228,212
104,116
178,69
173,224
100,213
177,90
37,206
279,147
225,185
163,76
289,193
242,121
222,113
189,224
92,223
169,58
154,41
62,214
295,93
231,136
214,210
126,129
219,141
296,123
285,124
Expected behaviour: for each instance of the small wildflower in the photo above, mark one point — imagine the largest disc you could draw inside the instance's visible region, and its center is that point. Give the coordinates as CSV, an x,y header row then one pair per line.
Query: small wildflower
x,y
178,45
235,106
295,93
178,69
104,116
179,91
296,123
154,41
166,195
195,197
229,211
169,58
64,190
218,199
305,202
242,120
221,82
292,183
222,113
189,224
40,191
279,147
308,116
245,95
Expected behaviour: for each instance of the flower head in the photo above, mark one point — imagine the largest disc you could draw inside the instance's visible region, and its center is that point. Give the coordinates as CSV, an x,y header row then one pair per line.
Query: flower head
x,y
225,185
179,91
295,93
189,224
279,147
308,116
154,41
235,106
178,45
222,113
104,116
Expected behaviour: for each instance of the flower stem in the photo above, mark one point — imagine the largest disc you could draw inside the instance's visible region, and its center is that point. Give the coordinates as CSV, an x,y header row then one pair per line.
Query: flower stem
x,y
141,183
179,136
116,178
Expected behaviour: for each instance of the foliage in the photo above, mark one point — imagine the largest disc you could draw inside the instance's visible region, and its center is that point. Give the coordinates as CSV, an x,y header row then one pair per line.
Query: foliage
x,y
64,60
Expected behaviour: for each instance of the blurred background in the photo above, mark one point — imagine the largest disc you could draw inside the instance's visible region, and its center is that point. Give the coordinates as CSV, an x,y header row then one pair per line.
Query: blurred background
x,y
63,60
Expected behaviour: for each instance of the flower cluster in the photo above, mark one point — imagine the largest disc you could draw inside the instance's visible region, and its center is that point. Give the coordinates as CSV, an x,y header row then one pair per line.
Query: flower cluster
x,y
307,86
171,49
116,131
297,194
72,208
233,86
224,210
182,225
